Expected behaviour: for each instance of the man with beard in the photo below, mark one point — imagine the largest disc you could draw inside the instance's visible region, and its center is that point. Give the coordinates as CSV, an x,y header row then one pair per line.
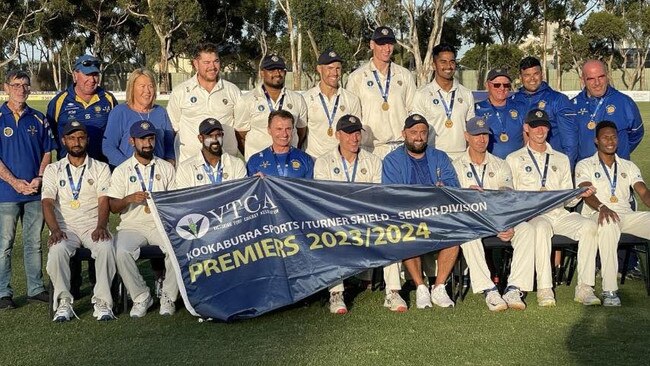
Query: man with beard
x,y
537,94
84,101
211,165
539,167
386,92
445,103
325,103
205,95
348,162
502,115
281,159
25,150
129,194
478,169
252,112
600,101
613,176
417,163
76,210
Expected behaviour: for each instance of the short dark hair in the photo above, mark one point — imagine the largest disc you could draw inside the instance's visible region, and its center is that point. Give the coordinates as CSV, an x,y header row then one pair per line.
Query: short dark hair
x,y
605,124
282,114
443,47
528,62
205,47
17,74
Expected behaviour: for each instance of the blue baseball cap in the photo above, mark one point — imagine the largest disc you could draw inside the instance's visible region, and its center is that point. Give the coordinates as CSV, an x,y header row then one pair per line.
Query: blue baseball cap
x,y
477,125
87,64
141,129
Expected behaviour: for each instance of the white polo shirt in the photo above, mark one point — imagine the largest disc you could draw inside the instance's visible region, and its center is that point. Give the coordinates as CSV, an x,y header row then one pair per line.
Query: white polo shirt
x,y
125,182
526,178
628,174
56,186
330,167
493,172
252,114
318,141
189,104
428,102
191,172
383,127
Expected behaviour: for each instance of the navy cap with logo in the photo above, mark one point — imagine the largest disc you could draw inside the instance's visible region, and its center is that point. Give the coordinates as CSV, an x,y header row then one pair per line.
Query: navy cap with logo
x,y
495,73
537,117
383,35
73,126
477,125
208,125
329,57
87,64
141,129
349,124
273,62
413,120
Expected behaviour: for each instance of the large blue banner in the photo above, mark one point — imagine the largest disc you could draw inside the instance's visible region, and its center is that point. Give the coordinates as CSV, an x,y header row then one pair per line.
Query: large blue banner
x,y
250,246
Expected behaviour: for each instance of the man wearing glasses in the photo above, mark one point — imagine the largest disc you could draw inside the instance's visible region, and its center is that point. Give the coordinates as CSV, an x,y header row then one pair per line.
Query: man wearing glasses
x,y
25,150
84,101
502,115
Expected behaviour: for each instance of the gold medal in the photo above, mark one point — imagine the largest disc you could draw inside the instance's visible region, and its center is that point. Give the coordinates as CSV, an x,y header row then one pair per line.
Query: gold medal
x,y
613,199
449,123
147,209
75,204
591,125
330,131
543,189
503,137
385,106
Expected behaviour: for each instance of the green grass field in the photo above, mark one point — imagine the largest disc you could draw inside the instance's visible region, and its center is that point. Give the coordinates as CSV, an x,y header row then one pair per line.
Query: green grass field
x,y
369,335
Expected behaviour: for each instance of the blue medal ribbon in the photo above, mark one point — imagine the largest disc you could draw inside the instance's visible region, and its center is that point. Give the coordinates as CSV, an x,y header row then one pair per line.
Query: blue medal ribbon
x,y
448,109
216,176
269,101
542,175
330,117
151,174
612,183
593,115
283,172
496,112
76,189
476,178
384,92
354,169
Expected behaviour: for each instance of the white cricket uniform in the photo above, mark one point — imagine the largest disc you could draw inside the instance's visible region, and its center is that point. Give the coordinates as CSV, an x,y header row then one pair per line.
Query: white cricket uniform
x,y
192,172
558,220
190,104
428,102
330,167
137,227
494,173
78,225
252,116
318,141
383,128
631,222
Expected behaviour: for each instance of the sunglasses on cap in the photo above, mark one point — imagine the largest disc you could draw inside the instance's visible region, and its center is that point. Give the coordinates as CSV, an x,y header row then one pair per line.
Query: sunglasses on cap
x,y
87,63
499,85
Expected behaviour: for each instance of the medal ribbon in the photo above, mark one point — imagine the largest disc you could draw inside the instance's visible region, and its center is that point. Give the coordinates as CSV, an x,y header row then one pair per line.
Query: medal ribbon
x,y
75,189
354,169
612,183
384,92
151,172
542,176
269,101
476,178
282,172
330,118
593,115
214,175
448,109
496,112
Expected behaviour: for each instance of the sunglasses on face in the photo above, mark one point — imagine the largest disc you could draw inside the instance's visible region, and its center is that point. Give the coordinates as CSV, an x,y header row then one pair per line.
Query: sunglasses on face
x,y
88,63
499,85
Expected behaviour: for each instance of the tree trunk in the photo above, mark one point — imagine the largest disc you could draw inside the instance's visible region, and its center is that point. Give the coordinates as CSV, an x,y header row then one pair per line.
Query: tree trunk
x,y
164,65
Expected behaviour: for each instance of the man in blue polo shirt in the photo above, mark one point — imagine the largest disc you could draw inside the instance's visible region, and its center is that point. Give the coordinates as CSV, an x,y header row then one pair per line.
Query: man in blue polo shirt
x,y
281,159
502,115
25,146
537,94
417,163
597,102
84,101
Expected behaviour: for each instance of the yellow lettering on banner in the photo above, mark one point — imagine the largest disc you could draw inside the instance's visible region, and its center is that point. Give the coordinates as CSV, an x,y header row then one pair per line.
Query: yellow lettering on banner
x,y
225,262
267,245
195,270
289,242
210,265
248,256
279,247
423,230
